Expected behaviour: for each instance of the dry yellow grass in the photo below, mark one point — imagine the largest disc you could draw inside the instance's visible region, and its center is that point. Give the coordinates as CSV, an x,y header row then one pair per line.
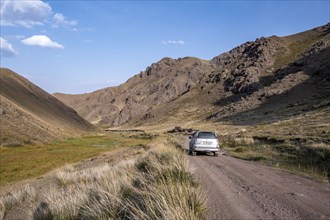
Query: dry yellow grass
x,y
155,185
308,158
22,162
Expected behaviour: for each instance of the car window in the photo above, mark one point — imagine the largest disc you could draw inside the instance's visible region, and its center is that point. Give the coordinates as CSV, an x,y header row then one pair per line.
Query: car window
x,y
206,135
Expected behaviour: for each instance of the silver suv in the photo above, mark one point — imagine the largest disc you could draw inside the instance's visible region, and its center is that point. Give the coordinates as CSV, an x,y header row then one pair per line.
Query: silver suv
x,y
204,141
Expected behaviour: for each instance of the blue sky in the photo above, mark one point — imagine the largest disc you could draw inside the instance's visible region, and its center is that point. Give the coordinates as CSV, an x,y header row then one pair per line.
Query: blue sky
x,y
81,46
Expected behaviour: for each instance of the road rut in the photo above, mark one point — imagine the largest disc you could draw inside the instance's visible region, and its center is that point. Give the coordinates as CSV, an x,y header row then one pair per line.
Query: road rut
x,y
238,189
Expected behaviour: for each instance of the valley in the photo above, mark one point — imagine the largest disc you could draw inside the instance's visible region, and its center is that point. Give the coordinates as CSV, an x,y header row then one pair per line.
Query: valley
x,y
120,150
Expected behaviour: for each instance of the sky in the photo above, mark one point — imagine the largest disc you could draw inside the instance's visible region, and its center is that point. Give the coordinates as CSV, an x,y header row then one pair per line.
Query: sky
x,y
77,46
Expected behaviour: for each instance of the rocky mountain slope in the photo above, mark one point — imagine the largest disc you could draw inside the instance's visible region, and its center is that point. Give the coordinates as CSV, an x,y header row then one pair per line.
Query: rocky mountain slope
x,y
29,114
159,84
257,82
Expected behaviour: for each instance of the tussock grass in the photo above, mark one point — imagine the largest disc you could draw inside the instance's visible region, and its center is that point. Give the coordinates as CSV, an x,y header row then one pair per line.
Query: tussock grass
x,y
244,140
169,182
2,210
59,203
11,199
308,158
155,185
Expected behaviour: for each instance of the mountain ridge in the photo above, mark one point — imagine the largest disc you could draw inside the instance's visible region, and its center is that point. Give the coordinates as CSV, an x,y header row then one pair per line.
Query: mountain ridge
x,y
189,89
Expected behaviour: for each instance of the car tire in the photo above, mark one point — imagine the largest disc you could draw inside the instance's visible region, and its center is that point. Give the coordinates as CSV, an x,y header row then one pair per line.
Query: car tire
x,y
216,154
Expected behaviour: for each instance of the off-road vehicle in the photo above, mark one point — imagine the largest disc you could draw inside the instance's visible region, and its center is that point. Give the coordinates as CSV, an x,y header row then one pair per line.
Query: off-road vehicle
x,y
204,141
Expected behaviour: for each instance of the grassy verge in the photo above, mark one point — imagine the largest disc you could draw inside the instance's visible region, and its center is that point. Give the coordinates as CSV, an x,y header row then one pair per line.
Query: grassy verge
x,y
18,163
308,159
155,185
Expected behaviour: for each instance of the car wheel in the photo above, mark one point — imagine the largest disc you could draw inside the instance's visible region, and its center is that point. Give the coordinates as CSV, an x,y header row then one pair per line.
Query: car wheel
x,y
216,154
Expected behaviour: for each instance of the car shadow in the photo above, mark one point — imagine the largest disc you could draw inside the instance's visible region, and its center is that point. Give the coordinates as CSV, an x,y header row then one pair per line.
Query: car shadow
x,y
202,154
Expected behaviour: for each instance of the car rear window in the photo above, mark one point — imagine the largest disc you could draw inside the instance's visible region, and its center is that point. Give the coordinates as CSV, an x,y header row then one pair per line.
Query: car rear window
x,y
206,135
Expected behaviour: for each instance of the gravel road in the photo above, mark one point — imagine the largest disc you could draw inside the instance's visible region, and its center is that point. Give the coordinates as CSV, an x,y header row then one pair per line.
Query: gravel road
x,y
238,189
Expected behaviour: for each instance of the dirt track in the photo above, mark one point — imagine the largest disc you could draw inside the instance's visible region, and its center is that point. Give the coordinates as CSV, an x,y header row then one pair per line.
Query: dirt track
x,y
238,189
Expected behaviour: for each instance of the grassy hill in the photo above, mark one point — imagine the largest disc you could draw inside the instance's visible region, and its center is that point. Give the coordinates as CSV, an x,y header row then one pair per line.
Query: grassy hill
x,y
29,114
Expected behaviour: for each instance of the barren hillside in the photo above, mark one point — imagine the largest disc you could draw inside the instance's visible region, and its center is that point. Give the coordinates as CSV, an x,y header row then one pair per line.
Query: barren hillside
x,y
29,114
257,82
159,84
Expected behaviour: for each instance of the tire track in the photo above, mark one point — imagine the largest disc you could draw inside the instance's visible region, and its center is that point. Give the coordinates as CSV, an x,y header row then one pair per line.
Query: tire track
x,y
238,189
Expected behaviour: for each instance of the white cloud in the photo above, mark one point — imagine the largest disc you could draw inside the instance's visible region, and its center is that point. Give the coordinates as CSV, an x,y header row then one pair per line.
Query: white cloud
x,y
7,50
180,42
82,29
41,41
24,13
59,20
29,13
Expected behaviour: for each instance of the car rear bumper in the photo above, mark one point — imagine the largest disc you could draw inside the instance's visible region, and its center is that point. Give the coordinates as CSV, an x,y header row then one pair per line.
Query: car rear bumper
x,y
205,149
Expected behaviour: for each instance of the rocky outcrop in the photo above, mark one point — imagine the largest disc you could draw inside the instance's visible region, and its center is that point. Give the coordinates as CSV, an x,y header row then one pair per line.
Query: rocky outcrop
x,y
241,68
235,81
160,83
